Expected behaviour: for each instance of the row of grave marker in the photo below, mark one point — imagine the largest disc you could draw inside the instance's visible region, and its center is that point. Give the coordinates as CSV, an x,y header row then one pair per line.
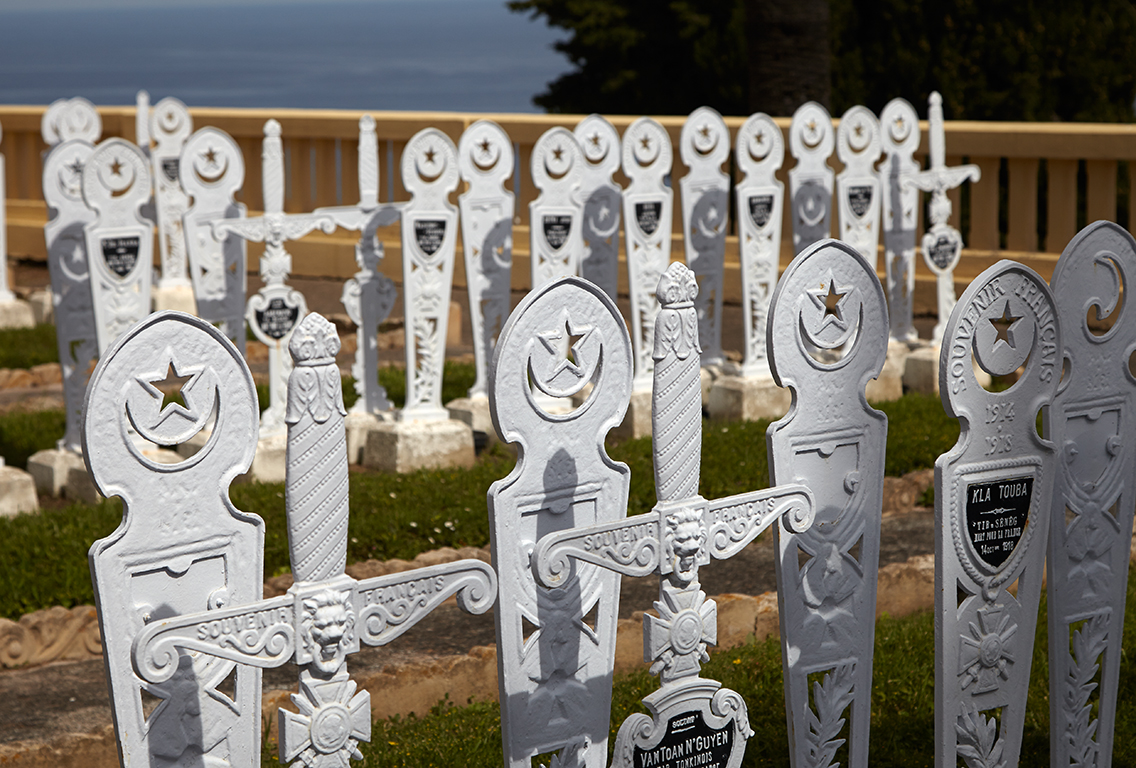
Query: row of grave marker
x,y
178,584
579,213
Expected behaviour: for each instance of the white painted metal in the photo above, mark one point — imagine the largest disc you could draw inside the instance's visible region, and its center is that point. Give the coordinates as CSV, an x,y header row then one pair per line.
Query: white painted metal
x,y
899,132
67,119
601,198
170,126
992,507
5,290
682,533
858,185
704,145
429,237
760,151
1092,505
648,205
182,546
212,171
369,296
556,232
811,140
74,313
142,121
942,243
485,159
827,340
276,309
555,670
120,242
326,615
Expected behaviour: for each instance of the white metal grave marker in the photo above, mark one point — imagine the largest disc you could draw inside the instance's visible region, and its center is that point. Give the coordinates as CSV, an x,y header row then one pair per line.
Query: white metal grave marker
x,y
600,196
759,152
992,506
942,243
142,121
326,615
170,127
691,716
67,119
116,184
556,233
6,294
1091,516
704,145
899,130
858,185
829,303
648,207
485,159
429,224
276,309
181,547
70,277
555,678
212,171
810,181
369,296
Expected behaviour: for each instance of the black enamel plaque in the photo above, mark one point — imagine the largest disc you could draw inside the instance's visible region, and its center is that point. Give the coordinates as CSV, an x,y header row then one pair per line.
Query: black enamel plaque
x,y
430,233
647,216
996,516
760,209
860,199
277,319
170,168
120,254
689,741
556,229
944,252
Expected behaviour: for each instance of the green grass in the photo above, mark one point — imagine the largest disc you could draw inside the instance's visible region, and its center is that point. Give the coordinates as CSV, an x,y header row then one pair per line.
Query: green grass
x,y
22,433
902,706
403,515
25,347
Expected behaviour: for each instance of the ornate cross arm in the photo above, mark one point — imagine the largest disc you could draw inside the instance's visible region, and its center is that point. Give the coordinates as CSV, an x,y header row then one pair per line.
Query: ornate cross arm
x,y
640,545
942,179
264,634
274,227
360,219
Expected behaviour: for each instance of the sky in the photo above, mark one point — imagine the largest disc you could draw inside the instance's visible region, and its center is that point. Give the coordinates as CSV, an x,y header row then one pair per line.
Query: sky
x,y
449,55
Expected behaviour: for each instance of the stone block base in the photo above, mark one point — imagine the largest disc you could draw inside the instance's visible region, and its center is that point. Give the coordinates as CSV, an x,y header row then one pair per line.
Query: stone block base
x,y
43,306
16,314
474,411
49,469
179,297
738,398
269,462
81,486
17,492
921,371
637,422
889,384
358,426
408,446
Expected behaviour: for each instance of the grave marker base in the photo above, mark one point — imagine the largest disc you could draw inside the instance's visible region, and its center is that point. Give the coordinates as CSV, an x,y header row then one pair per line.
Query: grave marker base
x,y
921,371
637,422
16,314
408,446
741,398
474,411
179,297
358,426
889,384
268,463
17,492
43,306
50,468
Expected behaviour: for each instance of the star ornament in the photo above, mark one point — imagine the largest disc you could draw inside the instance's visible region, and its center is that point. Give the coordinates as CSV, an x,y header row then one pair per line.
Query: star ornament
x,y
1004,327
331,721
574,360
830,301
174,391
985,657
116,167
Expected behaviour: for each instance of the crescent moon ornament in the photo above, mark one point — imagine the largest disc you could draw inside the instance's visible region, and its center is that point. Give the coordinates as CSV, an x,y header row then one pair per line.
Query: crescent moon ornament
x,y
172,423
832,315
559,375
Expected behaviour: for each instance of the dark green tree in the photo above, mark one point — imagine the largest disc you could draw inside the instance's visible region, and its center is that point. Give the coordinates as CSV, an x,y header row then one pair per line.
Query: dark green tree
x,y
991,59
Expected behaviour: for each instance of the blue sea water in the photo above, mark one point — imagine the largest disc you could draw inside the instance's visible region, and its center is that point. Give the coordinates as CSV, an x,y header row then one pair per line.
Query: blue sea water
x,y
452,55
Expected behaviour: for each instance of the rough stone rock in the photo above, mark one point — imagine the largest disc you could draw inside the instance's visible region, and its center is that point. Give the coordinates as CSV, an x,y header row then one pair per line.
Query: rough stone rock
x,y
50,469
16,314
42,304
